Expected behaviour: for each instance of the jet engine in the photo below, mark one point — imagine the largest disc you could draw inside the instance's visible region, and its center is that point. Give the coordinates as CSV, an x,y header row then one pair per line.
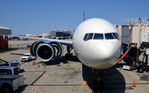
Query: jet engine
x,y
34,47
46,51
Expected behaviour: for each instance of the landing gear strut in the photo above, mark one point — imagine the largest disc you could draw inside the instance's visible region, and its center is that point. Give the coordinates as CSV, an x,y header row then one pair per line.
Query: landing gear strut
x,y
98,83
93,78
69,55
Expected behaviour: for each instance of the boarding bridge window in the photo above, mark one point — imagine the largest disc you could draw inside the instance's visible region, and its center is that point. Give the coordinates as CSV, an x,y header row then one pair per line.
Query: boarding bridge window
x,y
115,35
98,36
109,36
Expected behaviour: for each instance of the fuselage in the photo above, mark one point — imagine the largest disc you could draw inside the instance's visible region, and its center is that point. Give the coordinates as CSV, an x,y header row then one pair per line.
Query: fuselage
x,y
96,43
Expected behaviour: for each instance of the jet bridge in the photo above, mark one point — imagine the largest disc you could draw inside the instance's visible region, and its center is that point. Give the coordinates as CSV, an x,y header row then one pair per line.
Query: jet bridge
x,y
139,43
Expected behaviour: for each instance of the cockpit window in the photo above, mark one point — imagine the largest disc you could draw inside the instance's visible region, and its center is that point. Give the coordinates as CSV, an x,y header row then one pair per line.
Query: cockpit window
x,y
98,36
90,36
109,36
116,35
85,37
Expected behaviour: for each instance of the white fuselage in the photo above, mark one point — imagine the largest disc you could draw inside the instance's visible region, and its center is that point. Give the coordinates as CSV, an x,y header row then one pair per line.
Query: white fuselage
x,y
95,51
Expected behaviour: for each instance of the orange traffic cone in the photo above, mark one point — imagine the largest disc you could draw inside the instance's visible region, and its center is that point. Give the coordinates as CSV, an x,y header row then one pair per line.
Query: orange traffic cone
x,y
133,64
44,65
34,63
134,85
84,84
38,65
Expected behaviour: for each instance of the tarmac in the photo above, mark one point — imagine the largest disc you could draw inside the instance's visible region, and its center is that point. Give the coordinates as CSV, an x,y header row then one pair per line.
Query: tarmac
x,y
65,76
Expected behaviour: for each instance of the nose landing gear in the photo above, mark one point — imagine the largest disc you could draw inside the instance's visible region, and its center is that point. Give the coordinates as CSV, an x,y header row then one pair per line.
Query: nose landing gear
x,y
93,78
98,83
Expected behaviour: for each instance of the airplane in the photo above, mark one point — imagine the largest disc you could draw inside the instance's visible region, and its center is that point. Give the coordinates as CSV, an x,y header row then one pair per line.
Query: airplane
x,y
95,42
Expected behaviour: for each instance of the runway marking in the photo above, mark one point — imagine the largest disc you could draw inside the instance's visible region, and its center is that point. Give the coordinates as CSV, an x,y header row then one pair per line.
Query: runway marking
x,y
38,78
34,88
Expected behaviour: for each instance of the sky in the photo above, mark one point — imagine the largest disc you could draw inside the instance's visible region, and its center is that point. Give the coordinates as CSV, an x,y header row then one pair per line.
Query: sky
x,y
43,16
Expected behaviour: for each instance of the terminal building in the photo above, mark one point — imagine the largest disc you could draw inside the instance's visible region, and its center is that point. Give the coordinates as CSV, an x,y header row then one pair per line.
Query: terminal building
x,y
62,34
5,31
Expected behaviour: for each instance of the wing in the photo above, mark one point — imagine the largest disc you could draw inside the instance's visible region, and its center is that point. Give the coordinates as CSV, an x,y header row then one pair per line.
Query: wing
x,y
65,42
46,49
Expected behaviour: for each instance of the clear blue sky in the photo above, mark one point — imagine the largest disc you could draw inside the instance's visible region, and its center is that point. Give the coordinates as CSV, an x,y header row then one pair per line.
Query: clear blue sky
x,y
42,16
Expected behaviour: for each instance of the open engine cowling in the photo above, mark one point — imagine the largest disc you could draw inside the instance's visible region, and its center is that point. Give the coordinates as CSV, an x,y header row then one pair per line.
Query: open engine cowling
x,y
46,51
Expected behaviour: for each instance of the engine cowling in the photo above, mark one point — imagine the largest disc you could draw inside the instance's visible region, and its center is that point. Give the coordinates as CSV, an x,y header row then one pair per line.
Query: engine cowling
x,y
45,52
58,48
34,47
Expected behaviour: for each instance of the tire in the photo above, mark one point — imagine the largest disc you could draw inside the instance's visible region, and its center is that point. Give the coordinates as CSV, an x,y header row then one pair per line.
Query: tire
x,y
6,88
141,70
68,56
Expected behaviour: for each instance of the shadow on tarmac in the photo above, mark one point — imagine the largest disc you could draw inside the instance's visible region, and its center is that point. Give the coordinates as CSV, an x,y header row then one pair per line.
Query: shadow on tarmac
x,y
147,68
113,80
20,90
57,60
9,49
17,54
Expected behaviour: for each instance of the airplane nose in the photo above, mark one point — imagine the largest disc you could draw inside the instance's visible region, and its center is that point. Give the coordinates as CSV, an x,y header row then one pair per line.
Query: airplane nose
x,y
101,56
109,50
108,55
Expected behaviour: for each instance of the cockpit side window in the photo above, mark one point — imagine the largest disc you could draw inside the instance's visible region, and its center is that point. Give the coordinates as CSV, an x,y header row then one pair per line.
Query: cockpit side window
x,y
98,36
90,36
109,36
85,37
116,35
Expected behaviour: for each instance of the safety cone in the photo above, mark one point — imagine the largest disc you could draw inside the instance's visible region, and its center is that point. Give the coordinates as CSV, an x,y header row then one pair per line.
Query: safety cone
x,y
38,65
84,84
134,85
44,65
133,64
33,63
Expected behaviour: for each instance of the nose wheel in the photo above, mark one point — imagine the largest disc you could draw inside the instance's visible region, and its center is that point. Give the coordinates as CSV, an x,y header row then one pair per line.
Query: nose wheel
x,y
93,78
98,86
98,82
